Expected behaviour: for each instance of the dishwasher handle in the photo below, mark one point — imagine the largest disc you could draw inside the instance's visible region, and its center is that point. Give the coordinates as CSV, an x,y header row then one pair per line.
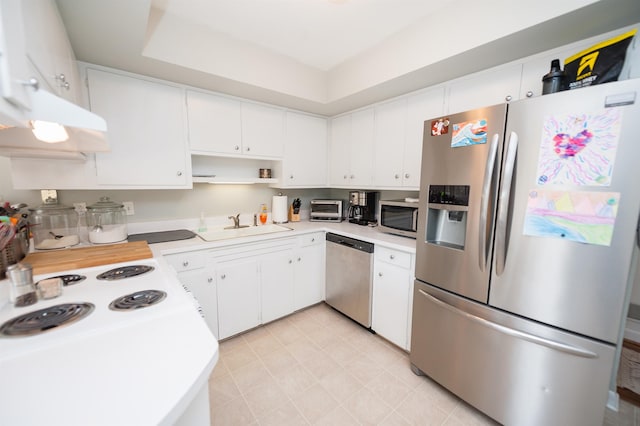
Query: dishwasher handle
x,y
364,246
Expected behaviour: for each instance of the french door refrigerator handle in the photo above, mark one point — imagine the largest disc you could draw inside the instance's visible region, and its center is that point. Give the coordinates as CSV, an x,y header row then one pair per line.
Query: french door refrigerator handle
x,y
484,205
552,344
503,203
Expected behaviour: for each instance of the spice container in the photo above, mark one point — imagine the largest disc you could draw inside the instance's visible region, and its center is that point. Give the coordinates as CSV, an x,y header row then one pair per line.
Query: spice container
x,y
49,288
107,222
22,292
54,226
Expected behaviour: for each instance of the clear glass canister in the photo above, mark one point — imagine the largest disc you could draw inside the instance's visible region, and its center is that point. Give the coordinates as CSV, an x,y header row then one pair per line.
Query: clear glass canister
x,y
53,226
107,222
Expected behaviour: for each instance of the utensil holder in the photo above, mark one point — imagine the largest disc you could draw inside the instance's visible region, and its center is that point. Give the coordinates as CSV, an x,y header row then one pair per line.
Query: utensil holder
x,y
14,252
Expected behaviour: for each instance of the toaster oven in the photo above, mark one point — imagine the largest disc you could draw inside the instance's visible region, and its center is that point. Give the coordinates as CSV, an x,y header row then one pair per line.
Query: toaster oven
x,y
326,211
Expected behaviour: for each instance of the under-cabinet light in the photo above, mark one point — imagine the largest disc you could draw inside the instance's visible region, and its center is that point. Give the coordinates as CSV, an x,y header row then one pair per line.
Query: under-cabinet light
x,y
49,132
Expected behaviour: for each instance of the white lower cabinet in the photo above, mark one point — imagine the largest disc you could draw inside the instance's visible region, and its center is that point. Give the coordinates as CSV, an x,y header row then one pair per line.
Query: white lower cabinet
x,y
201,284
238,296
392,295
242,286
276,285
309,270
199,280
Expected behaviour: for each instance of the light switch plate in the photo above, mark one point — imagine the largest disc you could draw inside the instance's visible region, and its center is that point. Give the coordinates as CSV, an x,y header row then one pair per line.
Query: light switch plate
x,y
49,196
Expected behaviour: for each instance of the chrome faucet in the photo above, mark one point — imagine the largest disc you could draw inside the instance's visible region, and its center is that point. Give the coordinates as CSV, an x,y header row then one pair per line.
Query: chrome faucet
x,y
236,220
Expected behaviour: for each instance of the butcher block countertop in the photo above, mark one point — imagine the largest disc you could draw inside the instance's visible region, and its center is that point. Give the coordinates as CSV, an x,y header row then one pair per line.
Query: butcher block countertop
x,y
45,262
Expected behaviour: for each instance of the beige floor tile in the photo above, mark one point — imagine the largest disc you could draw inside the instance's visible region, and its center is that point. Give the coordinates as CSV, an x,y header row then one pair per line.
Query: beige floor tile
x,y
220,369
303,350
323,337
250,376
337,417
235,412
435,394
394,419
340,384
366,407
314,403
284,331
279,361
222,390
343,354
239,358
364,369
401,368
466,415
255,334
295,380
321,365
284,415
265,345
418,411
265,397
389,388
382,351
232,344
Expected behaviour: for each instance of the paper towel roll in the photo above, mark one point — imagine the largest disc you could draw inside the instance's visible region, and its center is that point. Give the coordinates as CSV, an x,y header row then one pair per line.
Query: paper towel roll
x,y
279,207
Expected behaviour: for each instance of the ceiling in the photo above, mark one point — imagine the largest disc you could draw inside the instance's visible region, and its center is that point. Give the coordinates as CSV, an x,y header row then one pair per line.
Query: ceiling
x,y
326,56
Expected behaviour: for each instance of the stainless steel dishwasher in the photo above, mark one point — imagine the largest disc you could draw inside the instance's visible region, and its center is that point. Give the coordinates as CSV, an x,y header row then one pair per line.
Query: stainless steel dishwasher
x,y
349,277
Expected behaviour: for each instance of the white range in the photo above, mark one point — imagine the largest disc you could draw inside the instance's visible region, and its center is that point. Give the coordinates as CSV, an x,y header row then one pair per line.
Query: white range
x,y
146,365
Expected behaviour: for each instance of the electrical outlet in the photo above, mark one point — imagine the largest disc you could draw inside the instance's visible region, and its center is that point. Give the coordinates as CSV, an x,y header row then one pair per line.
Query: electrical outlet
x,y
128,206
80,207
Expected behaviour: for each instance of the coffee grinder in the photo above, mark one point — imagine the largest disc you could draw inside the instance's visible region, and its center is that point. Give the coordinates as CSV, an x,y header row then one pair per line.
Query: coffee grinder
x,y
362,207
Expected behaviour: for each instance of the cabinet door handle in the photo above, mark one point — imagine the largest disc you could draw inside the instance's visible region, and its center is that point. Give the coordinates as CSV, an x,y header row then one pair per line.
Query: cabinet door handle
x,y
223,276
392,256
344,177
508,98
529,94
352,176
290,261
248,148
299,259
291,177
397,176
209,280
313,240
379,274
237,148
179,173
185,263
32,82
407,176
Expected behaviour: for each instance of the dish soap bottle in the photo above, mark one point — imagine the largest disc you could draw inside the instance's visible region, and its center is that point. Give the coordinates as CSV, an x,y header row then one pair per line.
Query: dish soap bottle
x,y
263,213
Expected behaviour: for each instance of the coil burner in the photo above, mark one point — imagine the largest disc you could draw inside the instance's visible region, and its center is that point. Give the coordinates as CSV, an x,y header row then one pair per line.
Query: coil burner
x,y
46,319
124,272
137,300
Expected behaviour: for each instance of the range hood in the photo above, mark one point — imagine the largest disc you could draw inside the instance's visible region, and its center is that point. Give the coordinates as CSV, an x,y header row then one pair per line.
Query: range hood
x,y
86,130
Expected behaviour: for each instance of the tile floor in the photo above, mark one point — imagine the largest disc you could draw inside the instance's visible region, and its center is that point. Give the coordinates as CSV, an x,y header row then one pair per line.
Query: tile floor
x,y
317,367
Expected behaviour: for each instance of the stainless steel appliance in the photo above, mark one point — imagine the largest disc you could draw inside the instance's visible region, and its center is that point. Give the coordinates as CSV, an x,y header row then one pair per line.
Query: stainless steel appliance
x,y
349,277
326,211
362,207
524,252
398,217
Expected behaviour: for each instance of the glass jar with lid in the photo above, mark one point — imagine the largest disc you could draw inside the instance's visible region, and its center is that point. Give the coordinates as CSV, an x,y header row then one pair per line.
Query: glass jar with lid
x,y
53,226
107,222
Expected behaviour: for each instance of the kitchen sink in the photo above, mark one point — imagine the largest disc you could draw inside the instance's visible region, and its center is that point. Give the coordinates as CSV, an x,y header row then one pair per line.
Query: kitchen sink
x,y
224,234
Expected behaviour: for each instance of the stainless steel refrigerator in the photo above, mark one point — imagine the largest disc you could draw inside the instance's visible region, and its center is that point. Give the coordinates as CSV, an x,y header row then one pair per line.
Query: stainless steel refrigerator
x,y
526,236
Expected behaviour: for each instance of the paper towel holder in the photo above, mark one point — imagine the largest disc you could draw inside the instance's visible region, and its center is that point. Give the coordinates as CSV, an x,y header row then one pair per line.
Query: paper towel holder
x,y
279,209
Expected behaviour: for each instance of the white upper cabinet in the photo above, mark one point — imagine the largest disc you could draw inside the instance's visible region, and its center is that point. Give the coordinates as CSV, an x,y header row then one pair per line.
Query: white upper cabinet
x,y
361,148
398,138
339,150
305,151
49,49
262,130
389,143
420,107
214,123
146,128
223,126
495,86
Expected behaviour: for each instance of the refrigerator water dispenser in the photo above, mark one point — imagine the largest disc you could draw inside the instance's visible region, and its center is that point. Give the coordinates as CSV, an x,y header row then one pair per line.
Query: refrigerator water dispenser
x,y
447,215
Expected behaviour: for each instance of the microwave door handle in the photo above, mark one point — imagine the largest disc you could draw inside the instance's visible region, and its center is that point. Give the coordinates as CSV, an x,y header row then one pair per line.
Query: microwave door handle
x,y
414,218
486,203
503,203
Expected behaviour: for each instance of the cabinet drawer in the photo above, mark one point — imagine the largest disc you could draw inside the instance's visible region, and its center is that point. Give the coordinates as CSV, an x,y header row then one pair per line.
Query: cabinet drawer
x,y
186,261
394,257
311,239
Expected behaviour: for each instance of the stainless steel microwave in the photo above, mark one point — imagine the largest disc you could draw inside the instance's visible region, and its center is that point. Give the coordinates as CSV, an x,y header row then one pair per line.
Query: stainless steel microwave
x,y
398,217
326,211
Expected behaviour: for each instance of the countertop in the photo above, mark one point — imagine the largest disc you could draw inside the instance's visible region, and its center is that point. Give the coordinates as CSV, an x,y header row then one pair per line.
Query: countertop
x,y
365,233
